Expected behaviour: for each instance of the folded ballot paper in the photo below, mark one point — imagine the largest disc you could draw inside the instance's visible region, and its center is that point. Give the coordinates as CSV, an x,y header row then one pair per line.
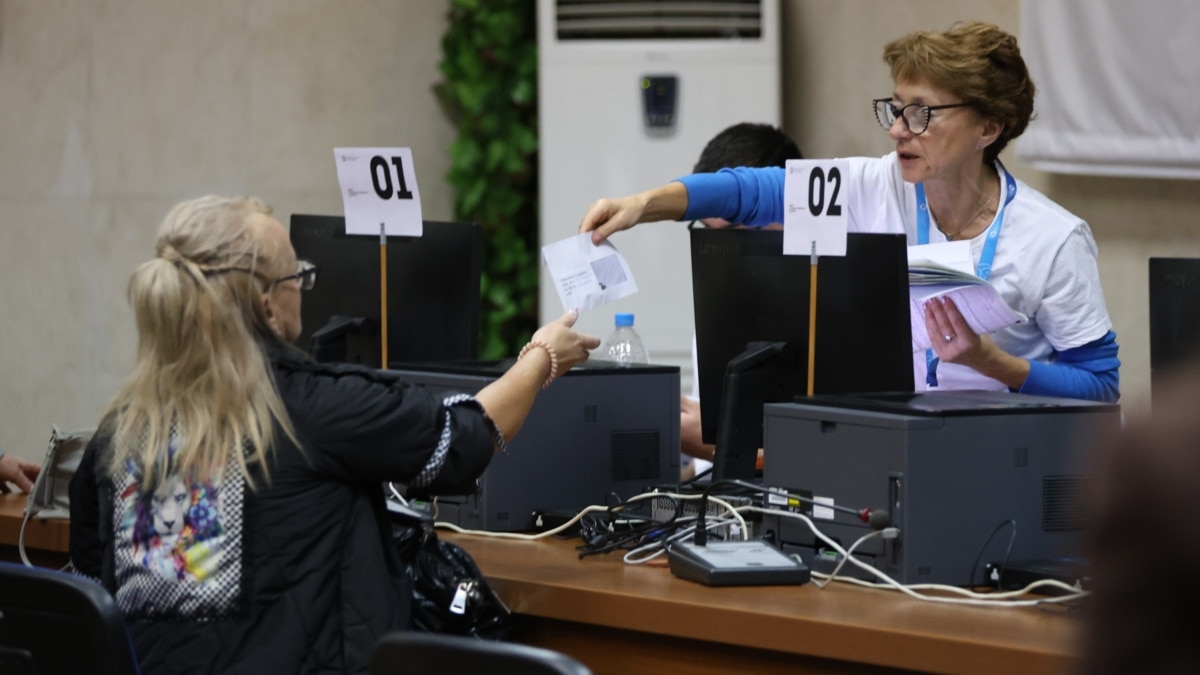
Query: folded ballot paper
x,y
978,302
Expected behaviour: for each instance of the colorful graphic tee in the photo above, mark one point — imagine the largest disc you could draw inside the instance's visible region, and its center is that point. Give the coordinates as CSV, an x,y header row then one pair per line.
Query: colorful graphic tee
x,y
178,551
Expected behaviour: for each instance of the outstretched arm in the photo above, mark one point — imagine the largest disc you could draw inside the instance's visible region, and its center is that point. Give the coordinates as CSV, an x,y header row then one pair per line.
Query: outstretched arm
x,y
747,196
609,216
509,399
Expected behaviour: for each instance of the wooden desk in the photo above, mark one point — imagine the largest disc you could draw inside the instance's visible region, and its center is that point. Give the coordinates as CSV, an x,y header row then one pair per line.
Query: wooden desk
x,y
47,541
617,618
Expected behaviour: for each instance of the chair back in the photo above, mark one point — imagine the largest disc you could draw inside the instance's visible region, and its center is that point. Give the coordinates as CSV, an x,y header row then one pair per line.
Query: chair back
x,y
53,622
410,653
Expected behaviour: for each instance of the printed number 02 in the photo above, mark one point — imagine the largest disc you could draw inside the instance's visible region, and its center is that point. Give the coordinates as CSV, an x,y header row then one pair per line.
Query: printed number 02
x,y
384,190
817,179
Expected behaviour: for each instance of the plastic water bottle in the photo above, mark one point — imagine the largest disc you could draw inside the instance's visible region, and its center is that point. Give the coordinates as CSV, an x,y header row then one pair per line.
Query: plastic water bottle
x,y
624,346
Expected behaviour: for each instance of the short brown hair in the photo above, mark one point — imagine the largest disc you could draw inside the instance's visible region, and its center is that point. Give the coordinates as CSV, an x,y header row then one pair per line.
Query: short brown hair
x,y
978,62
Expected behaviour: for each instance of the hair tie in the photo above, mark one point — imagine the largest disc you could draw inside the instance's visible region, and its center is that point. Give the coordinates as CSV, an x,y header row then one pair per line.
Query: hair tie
x,y
168,253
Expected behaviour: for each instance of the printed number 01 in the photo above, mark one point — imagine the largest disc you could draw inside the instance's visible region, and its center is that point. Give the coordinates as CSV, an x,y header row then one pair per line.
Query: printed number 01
x,y
385,190
817,179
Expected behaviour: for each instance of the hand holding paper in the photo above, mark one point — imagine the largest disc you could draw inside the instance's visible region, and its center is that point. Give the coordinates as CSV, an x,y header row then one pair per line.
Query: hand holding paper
x,y
587,275
978,301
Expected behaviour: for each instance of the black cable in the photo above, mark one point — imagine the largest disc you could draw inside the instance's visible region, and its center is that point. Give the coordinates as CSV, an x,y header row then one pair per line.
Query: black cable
x,y
603,534
1004,562
697,477
700,538
1076,609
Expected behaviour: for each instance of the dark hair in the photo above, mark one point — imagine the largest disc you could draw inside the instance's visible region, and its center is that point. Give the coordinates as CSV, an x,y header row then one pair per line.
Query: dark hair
x,y
976,61
747,144
1144,541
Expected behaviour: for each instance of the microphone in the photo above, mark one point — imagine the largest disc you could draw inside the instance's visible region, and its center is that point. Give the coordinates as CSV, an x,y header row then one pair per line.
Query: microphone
x,y
877,519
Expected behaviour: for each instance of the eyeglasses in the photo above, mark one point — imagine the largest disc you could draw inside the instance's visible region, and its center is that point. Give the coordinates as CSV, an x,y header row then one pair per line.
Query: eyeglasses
x,y
306,273
915,116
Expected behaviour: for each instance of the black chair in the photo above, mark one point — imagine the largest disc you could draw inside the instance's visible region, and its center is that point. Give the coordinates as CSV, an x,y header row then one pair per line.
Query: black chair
x,y
409,653
53,622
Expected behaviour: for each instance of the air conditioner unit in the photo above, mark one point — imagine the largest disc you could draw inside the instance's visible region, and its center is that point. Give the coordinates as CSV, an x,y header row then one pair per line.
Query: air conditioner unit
x,y
629,93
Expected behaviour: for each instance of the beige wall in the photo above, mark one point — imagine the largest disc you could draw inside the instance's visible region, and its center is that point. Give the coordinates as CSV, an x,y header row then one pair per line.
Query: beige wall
x,y
112,111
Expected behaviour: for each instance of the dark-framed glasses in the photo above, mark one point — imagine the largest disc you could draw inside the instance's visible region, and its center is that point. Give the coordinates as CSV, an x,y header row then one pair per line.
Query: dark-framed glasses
x,y
306,272
915,115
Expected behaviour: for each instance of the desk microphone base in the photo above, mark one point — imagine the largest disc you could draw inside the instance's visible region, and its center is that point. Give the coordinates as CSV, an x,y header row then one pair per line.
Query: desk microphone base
x,y
736,563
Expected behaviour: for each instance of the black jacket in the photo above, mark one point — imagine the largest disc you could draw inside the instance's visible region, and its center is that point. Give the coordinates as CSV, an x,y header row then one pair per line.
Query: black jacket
x,y
305,579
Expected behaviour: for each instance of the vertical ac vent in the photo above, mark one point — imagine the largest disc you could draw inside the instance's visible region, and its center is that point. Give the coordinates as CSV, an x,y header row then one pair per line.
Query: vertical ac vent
x,y
1062,503
657,19
635,455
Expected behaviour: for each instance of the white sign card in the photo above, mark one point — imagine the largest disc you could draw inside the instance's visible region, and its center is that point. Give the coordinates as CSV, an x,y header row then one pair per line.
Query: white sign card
x,y
587,275
379,186
814,206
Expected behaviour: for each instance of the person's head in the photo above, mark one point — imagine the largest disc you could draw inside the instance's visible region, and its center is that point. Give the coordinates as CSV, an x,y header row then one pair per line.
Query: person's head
x,y
234,247
223,284
1143,545
976,70
745,144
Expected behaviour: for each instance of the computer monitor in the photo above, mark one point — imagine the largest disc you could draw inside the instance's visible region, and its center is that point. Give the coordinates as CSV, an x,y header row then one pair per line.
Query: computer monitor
x,y
1174,318
747,293
433,292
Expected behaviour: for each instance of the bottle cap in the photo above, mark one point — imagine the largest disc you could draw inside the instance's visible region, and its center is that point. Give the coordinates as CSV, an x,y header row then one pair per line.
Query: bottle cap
x,y
624,319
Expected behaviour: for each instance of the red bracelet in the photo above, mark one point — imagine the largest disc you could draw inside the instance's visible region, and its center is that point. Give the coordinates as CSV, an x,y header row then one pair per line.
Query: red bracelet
x,y
549,351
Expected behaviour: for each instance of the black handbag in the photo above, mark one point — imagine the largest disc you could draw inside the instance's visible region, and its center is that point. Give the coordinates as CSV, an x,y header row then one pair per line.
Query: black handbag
x,y
449,593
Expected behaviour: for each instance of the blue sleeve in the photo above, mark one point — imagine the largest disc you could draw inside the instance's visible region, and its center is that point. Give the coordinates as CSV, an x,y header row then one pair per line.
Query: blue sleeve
x,y
746,196
1090,372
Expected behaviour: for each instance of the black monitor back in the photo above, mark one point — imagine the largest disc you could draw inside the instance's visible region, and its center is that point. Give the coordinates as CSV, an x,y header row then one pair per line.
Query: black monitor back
x,y
745,290
433,289
1174,317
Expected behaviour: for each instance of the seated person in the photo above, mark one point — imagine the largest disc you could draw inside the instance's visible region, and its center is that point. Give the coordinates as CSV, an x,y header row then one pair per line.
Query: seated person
x,y
744,144
959,97
231,498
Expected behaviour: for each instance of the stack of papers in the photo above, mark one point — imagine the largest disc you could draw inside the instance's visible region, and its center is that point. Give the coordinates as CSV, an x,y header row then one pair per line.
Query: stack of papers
x,y
979,303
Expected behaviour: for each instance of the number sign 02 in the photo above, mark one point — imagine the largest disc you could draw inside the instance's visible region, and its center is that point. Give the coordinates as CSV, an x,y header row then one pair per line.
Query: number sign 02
x,y
814,199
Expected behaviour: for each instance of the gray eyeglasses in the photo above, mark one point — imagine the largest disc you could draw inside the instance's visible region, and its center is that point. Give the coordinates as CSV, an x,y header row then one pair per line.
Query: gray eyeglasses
x,y
306,273
915,115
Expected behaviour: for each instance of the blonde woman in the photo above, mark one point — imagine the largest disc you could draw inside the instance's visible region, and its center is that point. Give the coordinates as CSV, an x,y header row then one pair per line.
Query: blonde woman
x,y
231,500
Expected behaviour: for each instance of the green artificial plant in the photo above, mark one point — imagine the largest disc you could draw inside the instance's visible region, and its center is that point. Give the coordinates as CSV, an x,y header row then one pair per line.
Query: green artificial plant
x,y
489,60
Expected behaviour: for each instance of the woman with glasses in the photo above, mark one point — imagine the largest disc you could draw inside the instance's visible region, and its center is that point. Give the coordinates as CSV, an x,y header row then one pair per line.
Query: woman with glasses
x,y
959,97
232,498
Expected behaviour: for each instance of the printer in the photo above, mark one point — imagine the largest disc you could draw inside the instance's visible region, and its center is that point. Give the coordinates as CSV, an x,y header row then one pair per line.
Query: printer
x,y
951,467
600,434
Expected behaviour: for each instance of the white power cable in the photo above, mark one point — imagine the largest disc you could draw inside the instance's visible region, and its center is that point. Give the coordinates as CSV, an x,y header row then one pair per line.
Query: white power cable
x,y
971,597
396,494
591,509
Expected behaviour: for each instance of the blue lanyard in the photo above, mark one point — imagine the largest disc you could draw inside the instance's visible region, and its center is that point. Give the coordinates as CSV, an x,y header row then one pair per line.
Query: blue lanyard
x,y
986,257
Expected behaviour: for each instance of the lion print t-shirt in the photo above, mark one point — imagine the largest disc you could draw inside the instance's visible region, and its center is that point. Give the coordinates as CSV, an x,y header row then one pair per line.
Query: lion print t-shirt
x,y
178,548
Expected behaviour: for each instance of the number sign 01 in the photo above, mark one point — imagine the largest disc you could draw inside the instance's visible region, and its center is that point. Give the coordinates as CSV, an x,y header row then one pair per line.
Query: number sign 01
x,y
379,187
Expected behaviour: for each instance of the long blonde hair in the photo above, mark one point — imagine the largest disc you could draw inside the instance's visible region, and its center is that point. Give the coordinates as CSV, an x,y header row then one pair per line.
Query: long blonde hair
x,y
201,377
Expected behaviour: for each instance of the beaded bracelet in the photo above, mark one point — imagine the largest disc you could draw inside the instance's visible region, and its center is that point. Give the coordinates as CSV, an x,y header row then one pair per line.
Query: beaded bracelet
x,y
549,351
